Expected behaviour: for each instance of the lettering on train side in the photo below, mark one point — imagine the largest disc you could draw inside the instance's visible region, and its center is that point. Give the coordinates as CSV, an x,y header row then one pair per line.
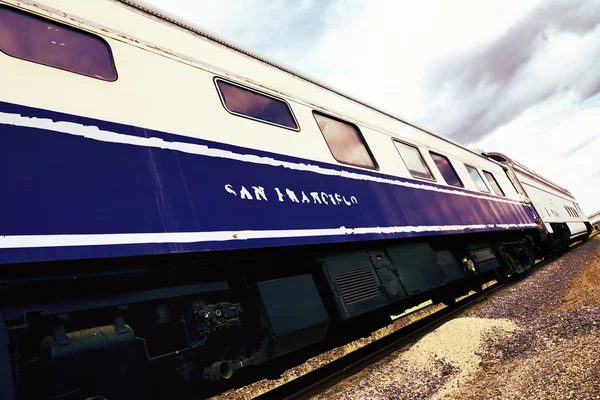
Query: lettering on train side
x,y
290,196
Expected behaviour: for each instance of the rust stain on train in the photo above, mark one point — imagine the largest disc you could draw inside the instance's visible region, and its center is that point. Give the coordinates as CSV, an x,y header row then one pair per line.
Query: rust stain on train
x,y
260,85
124,37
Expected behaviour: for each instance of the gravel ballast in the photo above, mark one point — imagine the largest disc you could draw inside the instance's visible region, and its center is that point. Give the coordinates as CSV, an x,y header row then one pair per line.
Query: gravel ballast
x,y
538,339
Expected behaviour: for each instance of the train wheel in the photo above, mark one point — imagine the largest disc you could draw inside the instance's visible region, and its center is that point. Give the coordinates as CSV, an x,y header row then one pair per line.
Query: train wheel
x,y
505,277
448,300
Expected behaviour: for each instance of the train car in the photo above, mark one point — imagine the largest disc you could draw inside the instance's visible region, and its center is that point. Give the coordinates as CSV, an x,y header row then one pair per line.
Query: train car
x,y
595,220
177,211
562,216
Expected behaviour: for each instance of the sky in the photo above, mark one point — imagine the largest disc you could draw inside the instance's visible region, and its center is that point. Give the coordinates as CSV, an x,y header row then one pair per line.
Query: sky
x,y
520,77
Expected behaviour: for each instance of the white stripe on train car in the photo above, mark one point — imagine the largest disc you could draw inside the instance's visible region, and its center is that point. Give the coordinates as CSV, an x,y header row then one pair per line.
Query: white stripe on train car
x,y
95,133
31,241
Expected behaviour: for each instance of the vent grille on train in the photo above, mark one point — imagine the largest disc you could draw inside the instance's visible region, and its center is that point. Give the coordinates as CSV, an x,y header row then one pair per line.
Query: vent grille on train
x,y
357,285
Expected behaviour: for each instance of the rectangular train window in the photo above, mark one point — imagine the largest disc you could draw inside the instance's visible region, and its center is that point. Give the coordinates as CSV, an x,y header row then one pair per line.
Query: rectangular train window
x,y
493,183
345,142
446,169
511,178
40,40
477,179
256,105
413,160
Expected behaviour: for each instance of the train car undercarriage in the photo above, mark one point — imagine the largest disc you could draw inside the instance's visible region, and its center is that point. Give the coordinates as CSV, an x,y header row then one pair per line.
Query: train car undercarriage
x,y
145,327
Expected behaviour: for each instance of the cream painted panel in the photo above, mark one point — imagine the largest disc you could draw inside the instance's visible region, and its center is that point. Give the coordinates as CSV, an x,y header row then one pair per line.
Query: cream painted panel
x,y
577,228
171,103
548,202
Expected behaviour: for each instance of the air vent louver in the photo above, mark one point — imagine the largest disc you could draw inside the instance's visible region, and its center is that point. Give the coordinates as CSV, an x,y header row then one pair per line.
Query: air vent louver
x,y
357,285
354,283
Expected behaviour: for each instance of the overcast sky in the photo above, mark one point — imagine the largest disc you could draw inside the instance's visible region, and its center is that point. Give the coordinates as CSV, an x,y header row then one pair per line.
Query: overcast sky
x,y
520,77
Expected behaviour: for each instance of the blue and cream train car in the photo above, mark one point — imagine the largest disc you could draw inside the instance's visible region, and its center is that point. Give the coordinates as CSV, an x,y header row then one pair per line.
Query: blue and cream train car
x,y
564,220
175,209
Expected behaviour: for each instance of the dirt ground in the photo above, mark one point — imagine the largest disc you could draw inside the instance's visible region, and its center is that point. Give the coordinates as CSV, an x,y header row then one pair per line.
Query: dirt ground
x,y
538,339
560,358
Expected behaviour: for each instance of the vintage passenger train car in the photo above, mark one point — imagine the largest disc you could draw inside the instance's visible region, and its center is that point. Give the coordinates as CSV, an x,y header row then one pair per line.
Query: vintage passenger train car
x,y
563,218
177,211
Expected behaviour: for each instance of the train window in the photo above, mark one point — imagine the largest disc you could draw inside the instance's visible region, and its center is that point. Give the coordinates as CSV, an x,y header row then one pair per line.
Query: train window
x,y
493,183
477,179
413,160
345,142
40,40
511,178
446,169
255,105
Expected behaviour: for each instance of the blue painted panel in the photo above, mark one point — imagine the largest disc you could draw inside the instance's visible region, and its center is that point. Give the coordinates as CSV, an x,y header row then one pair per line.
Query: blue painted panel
x,y
57,183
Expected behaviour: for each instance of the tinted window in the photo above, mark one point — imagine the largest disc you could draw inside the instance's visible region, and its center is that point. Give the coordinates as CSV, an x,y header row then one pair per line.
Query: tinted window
x,y
255,105
509,175
40,40
493,183
345,142
477,179
413,160
446,169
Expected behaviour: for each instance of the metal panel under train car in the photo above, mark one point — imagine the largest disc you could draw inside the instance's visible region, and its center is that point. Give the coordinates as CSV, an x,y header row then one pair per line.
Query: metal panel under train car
x,y
367,279
292,313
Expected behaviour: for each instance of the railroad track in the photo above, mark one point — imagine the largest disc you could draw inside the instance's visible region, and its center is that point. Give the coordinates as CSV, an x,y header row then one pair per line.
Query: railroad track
x,y
322,378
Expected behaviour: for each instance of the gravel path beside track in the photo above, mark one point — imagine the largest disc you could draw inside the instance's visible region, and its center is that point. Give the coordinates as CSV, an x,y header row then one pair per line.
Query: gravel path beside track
x,y
539,339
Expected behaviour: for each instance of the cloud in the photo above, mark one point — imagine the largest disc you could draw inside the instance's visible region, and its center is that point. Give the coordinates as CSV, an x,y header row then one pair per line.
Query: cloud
x,y
551,51
538,138
273,27
580,146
